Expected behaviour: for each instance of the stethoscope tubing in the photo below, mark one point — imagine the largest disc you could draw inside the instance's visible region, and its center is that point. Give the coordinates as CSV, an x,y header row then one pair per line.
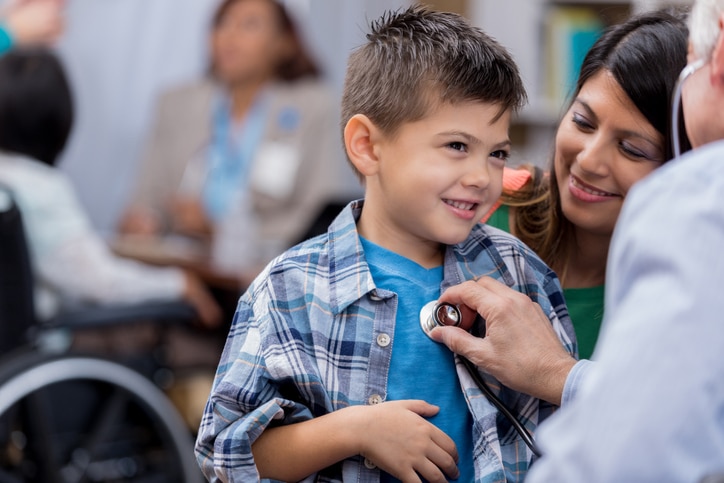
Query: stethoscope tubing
x,y
429,319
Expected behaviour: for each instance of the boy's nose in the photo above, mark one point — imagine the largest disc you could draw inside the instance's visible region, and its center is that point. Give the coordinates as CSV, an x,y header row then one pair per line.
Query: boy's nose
x,y
478,175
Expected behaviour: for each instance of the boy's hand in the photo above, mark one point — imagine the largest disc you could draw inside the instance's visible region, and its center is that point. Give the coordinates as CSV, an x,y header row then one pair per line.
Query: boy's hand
x,y
399,440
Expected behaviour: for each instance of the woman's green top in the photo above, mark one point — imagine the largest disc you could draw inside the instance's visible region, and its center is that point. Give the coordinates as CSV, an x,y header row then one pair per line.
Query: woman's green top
x,y
585,305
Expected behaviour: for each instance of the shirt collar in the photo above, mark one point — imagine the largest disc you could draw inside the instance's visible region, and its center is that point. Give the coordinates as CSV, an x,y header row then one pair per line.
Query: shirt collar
x,y
349,274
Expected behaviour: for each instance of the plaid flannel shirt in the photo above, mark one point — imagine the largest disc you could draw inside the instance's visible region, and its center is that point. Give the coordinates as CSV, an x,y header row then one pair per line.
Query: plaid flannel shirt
x,y
304,342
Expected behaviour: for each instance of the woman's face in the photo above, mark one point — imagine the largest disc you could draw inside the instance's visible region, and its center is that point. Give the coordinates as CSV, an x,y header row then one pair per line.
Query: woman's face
x,y
603,146
248,43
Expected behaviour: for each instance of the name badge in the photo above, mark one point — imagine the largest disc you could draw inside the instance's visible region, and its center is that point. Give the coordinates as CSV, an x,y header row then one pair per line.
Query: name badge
x,y
275,169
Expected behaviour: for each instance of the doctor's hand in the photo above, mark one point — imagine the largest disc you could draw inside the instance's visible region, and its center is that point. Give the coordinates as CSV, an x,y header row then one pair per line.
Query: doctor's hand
x,y
520,348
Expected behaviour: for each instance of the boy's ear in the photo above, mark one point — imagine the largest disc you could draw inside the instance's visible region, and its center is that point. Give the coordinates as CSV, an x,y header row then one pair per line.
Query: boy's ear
x,y
361,138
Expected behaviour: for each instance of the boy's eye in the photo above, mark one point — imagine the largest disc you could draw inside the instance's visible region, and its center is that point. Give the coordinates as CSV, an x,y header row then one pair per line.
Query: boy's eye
x,y
500,154
458,146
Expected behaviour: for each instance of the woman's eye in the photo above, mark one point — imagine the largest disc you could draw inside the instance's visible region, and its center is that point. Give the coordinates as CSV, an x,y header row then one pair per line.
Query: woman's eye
x,y
634,152
458,146
581,122
500,154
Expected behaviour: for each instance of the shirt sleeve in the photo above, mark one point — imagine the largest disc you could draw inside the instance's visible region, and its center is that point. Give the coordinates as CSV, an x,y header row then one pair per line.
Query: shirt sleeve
x,y
651,408
574,380
83,269
70,259
246,397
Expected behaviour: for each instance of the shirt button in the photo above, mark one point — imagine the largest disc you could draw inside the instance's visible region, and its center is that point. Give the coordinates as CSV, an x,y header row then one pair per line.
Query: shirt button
x,y
375,297
374,399
383,340
369,464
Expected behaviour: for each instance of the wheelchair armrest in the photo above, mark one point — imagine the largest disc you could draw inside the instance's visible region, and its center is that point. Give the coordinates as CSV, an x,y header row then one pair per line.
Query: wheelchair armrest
x,y
101,316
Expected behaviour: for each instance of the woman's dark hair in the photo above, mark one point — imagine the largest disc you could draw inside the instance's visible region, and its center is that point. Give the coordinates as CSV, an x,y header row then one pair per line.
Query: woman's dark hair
x,y
36,105
299,63
645,55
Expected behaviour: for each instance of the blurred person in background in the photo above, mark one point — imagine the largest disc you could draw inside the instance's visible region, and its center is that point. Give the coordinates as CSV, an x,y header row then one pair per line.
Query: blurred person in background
x,y
30,22
71,262
241,159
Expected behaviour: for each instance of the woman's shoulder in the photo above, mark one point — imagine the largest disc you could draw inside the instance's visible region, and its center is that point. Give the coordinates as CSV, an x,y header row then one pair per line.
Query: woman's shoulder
x,y
23,173
195,96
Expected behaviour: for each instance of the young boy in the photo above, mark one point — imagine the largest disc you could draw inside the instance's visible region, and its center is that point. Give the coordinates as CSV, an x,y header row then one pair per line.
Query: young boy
x,y
327,374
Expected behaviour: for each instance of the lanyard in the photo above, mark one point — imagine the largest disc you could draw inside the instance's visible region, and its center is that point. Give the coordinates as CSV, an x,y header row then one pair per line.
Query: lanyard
x,y
231,153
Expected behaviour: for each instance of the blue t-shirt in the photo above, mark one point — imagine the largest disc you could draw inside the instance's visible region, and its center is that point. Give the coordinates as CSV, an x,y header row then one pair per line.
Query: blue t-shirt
x,y
421,368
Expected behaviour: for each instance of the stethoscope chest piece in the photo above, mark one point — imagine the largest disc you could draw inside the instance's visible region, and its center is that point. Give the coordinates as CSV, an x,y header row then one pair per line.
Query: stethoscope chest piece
x,y
434,314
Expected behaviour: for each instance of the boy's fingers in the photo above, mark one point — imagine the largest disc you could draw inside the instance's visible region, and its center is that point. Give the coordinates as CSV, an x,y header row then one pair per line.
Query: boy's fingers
x,y
422,408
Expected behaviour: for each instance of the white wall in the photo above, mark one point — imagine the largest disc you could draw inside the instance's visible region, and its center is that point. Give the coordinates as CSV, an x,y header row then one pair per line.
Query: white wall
x,y
120,53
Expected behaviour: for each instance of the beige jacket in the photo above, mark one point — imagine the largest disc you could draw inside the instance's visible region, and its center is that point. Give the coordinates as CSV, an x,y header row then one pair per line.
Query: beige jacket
x,y
183,128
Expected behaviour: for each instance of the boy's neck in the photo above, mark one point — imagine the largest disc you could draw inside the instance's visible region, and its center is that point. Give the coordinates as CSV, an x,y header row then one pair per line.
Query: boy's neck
x,y
427,254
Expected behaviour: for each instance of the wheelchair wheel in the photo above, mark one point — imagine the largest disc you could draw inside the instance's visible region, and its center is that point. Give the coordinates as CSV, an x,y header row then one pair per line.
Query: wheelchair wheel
x,y
85,419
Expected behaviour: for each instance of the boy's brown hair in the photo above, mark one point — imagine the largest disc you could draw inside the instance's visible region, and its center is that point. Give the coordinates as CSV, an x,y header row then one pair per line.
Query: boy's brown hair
x,y
416,58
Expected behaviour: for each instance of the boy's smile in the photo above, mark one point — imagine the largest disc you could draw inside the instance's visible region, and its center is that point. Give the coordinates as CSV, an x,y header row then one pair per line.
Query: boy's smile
x,y
434,179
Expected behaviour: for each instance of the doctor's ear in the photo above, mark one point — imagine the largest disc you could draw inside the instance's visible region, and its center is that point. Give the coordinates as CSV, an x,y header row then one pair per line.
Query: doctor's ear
x,y
717,59
361,140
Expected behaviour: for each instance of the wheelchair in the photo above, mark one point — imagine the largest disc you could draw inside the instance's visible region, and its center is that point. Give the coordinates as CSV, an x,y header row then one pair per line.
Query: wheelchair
x,y
68,417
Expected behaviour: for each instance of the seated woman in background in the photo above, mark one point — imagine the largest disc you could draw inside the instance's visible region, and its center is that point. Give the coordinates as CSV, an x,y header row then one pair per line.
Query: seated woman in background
x,y
615,132
247,154
71,263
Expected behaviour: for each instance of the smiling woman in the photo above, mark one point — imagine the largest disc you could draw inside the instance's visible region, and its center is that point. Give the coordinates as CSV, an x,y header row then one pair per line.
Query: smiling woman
x,y
615,132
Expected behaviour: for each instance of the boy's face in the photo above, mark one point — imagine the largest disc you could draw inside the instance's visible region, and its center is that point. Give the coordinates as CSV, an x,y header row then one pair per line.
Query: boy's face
x,y
437,177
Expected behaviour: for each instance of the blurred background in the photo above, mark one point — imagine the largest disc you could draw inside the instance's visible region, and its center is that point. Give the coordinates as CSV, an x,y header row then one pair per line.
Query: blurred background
x,y
121,54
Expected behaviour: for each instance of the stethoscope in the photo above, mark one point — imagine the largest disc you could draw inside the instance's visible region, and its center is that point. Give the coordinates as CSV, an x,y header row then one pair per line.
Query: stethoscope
x,y
676,104
440,314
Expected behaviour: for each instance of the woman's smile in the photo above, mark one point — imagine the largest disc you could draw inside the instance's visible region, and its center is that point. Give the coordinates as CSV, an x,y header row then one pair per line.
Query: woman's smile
x,y
588,193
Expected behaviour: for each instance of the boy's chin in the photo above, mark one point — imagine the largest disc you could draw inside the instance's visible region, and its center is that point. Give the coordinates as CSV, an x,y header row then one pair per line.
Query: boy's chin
x,y
453,238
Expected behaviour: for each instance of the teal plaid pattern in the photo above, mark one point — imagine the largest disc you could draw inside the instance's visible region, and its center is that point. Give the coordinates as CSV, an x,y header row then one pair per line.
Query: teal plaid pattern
x,y
303,344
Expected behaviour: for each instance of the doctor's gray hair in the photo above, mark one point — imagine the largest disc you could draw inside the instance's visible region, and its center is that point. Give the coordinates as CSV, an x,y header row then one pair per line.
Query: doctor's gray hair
x,y
704,26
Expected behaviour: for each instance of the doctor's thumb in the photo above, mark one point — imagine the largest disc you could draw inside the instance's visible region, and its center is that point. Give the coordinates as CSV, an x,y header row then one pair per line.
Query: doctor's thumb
x,y
463,343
